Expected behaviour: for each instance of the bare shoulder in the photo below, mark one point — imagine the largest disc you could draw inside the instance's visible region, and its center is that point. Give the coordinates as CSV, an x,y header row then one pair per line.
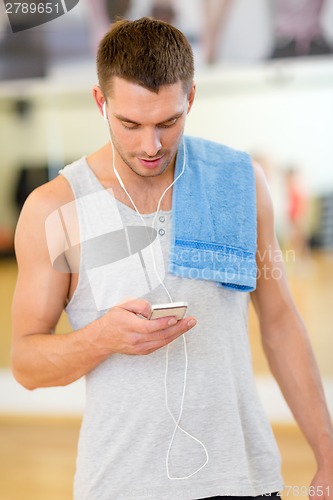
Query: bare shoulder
x,y
259,176
49,196
40,204
264,202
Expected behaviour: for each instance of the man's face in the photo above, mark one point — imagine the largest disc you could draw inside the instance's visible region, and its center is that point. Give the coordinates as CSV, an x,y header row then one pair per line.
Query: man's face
x,y
146,128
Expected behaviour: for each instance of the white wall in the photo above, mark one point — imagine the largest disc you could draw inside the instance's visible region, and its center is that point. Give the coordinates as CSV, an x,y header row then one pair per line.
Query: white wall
x,y
283,111
62,126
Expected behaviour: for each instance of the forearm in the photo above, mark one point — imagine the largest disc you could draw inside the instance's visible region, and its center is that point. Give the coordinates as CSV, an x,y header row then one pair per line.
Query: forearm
x,y
292,362
44,360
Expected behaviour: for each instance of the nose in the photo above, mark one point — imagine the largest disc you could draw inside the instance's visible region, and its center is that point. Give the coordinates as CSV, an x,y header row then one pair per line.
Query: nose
x,y
151,142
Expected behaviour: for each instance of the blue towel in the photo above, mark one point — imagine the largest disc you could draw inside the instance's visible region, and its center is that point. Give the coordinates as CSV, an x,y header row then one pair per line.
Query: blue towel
x,y
214,231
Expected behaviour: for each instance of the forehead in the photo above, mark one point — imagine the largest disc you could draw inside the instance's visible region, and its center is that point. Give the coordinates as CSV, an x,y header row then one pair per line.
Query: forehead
x,y
140,104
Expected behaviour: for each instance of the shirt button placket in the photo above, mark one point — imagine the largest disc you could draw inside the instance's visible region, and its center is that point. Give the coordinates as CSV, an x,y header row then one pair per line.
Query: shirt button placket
x,y
161,231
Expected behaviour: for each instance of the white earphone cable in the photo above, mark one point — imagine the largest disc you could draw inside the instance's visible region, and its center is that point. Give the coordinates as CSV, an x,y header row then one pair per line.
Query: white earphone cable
x,y
176,422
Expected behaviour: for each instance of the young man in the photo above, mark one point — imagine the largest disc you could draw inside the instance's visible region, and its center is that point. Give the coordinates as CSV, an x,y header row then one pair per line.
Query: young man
x,y
152,217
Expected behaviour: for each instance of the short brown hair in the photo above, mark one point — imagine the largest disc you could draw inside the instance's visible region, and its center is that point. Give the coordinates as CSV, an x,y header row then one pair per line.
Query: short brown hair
x,y
146,51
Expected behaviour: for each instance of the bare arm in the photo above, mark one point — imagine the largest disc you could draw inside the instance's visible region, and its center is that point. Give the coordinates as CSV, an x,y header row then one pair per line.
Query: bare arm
x,y
40,358
286,343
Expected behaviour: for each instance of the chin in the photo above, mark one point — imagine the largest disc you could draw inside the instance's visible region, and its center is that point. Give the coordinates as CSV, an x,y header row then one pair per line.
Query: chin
x,y
146,172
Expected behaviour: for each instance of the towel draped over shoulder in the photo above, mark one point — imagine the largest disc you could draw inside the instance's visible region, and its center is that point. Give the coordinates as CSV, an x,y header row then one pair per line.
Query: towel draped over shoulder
x,y
214,235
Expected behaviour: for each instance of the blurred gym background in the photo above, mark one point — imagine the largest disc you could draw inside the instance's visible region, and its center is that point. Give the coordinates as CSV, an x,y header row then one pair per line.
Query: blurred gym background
x,y
264,84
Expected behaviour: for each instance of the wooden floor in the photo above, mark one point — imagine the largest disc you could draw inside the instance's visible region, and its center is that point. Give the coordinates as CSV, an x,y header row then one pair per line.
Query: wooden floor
x,y
37,454
37,458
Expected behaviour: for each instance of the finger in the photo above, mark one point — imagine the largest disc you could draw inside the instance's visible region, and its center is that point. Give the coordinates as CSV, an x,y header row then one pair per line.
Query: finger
x,y
154,345
164,338
147,327
142,325
163,334
137,306
160,324
182,326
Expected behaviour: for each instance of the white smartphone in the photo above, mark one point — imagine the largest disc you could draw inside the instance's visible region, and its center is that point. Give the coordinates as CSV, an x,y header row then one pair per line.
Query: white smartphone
x,y
177,309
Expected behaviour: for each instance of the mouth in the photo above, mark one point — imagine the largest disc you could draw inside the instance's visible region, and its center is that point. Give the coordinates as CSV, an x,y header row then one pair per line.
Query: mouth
x,y
151,163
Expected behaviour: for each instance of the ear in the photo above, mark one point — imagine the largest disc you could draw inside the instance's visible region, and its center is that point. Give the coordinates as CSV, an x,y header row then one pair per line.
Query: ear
x,y
191,96
99,99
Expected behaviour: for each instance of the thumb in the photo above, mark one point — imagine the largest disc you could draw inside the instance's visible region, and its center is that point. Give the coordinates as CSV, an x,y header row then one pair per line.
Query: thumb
x,y
137,306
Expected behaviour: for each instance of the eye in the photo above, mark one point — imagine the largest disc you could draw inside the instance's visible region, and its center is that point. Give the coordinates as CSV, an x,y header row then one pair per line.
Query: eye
x,y
168,124
129,126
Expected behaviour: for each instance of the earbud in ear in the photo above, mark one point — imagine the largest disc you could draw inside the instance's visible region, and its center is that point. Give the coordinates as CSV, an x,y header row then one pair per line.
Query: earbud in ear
x,y
104,111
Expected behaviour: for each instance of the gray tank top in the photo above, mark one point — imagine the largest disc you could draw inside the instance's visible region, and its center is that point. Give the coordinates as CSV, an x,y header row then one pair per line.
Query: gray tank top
x,y
126,428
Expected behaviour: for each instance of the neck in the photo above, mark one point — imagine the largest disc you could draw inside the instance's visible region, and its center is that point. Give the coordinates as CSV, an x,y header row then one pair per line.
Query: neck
x,y
145,191
144,183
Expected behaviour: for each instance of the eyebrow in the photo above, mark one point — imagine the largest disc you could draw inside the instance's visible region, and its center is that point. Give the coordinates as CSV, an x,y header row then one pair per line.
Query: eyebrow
x,y
128,120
